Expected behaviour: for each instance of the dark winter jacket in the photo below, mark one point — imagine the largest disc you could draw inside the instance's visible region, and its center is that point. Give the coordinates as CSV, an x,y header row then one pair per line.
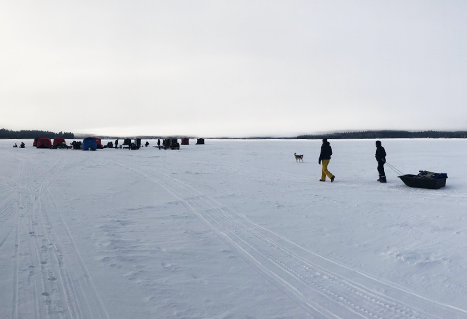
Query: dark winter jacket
x,y
380,154
326,152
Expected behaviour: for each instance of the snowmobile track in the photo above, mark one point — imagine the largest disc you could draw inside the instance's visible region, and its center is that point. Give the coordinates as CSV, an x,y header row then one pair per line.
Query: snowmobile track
x,y
50,279
323,288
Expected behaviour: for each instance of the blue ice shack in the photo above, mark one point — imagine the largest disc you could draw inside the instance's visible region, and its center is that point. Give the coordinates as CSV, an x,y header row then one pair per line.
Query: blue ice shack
x,y
89,144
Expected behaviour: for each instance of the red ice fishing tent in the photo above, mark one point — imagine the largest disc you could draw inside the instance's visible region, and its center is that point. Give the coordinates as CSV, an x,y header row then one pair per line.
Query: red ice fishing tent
x,y
58,141
185,141
43,143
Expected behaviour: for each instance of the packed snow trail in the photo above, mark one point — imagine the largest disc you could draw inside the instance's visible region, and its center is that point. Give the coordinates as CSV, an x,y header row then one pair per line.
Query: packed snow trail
x,y
49,277
324,289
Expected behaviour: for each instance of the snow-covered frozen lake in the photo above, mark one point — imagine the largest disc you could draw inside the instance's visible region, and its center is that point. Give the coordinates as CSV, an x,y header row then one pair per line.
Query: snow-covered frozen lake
x,y
232,229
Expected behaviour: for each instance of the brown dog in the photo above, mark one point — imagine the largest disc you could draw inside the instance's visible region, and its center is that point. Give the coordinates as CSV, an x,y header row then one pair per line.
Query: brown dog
x,y
298,158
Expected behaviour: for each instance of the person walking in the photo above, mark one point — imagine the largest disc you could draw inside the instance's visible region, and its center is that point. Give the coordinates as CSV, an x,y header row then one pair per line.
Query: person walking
x,y
325,157
381,159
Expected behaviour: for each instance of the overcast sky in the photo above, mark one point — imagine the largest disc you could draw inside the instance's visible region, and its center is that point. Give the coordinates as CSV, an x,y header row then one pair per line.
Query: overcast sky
x,y
232,68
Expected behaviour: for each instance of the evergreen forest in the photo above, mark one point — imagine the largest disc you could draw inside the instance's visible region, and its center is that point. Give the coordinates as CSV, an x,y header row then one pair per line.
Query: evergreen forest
x,y
29,134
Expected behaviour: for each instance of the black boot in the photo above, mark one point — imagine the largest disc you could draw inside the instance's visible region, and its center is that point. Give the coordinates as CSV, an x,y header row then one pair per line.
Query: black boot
x,y
382,179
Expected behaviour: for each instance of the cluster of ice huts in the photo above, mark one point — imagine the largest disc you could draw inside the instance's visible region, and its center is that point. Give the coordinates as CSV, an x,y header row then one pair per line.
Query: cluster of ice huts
x,y
47,143
93,143
90,143
172,143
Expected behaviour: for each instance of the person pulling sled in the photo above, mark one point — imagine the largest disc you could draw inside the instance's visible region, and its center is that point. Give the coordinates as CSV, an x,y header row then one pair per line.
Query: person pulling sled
x,y
381,159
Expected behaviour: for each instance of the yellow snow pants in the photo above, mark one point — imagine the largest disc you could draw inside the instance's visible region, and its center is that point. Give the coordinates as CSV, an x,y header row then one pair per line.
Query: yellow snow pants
x,y
325,171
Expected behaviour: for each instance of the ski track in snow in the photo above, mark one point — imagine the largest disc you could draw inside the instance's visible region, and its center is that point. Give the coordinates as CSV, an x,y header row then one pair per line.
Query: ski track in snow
x,y
323,288
50,280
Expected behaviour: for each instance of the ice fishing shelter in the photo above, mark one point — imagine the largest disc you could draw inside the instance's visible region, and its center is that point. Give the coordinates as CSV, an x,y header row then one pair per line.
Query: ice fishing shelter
x,y
76,145
127,142
98,142
43,143
137,143
89,143
171,143
185,141
200,141
58,140
59,143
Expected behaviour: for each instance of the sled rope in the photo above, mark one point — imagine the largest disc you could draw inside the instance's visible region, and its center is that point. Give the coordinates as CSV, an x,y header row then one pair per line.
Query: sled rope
x,y
394,169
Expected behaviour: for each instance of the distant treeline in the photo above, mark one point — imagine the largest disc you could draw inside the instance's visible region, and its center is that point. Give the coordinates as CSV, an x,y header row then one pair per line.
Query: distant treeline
x,y
26,134
386,134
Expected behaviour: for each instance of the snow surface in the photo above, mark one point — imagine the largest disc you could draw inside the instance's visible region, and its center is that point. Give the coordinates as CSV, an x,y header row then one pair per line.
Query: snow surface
x,y
232,229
